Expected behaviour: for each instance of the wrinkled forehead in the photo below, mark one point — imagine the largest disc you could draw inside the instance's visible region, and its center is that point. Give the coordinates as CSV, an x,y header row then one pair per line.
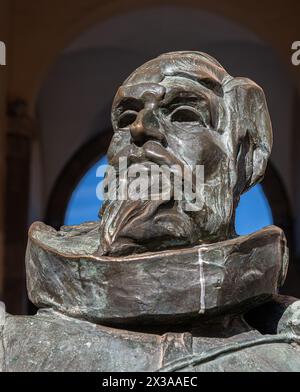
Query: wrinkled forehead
x,y
192,66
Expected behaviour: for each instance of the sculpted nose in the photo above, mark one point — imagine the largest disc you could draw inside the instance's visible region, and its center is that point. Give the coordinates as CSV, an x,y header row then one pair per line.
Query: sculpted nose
x,y
146,127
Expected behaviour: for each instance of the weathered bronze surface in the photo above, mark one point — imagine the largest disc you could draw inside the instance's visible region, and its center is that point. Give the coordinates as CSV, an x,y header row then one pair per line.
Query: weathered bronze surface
x,y
183,108
154,286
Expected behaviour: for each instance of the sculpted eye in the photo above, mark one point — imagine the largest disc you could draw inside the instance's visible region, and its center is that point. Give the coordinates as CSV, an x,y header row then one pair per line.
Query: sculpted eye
x,y
186,114
127,118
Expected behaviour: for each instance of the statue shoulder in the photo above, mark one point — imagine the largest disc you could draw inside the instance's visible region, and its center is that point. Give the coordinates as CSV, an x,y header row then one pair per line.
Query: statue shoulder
x,y
2,314
2,323
290,320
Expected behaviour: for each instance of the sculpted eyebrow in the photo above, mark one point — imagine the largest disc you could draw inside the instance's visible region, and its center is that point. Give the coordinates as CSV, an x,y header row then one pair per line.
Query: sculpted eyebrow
x,y
209,83
130,104
183,98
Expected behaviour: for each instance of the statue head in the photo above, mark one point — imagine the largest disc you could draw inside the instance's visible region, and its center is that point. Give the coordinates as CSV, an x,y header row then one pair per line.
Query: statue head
x,y
184,109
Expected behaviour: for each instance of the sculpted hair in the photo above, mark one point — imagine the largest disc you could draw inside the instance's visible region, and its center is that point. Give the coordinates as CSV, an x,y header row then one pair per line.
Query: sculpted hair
x,y
251,128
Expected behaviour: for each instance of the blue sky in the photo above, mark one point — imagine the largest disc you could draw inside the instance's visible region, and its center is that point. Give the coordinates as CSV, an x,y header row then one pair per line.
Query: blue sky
x,y
252,214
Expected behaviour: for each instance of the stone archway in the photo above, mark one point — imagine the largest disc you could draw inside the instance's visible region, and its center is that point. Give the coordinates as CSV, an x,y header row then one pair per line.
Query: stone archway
x,y
73,171
42,31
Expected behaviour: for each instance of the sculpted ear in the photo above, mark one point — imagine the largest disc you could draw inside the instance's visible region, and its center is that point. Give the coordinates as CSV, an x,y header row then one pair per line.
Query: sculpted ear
x,y
253,129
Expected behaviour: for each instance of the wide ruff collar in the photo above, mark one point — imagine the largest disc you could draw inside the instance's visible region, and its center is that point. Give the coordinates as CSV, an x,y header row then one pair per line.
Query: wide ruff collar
x,y
168,286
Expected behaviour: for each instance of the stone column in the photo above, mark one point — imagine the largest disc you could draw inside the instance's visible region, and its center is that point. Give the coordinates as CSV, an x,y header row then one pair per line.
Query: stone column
x,y
21,130
5,25
2,166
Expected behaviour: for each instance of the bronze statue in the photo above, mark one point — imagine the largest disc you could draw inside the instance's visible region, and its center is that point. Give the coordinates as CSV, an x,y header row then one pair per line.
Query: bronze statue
x,y
165,283
182,108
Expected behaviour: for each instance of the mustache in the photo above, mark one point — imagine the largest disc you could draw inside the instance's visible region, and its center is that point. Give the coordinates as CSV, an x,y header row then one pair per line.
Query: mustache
x,y
151,151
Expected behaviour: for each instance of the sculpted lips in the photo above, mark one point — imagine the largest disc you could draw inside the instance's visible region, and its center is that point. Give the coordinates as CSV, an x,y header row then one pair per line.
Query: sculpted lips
x,y
151,151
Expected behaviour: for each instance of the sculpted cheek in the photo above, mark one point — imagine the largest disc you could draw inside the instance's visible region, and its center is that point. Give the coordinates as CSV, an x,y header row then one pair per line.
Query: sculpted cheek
x,y
212,157
201,149
118,141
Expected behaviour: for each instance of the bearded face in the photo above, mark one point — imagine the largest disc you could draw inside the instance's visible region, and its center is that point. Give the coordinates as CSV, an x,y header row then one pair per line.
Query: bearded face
x,y
184,109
